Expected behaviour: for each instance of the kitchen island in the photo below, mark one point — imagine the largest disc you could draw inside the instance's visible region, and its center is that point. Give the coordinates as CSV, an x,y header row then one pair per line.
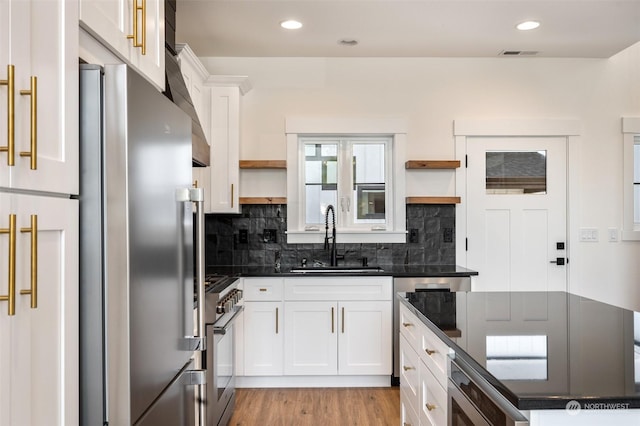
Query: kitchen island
x,y
553,357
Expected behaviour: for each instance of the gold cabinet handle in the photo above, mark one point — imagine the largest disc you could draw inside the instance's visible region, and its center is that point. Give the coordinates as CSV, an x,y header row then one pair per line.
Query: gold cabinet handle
x,y
33,153
33,291
143,10
276,320
407,368
407,324
9,148
11,296
430,407
332,321
343,320
429,351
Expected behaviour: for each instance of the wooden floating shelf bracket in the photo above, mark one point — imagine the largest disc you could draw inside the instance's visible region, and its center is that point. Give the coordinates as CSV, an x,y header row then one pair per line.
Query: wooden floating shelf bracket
x,y
432,164
263,164
263,200
433,200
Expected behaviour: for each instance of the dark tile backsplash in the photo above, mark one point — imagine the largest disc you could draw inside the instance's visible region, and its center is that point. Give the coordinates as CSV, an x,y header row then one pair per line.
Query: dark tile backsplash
x,y
431,239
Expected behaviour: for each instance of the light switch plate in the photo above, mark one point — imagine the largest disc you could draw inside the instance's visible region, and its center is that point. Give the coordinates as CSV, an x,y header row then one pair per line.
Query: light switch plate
x,y
589,235
613,235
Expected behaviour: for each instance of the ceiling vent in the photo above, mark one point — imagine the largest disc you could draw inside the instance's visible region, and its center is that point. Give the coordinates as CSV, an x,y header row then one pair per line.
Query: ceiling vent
x,y
519,53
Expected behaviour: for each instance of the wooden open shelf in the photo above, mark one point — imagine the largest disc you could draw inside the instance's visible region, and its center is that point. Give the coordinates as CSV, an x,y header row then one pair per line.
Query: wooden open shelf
x,y
263,164
433,200
432,164
263,200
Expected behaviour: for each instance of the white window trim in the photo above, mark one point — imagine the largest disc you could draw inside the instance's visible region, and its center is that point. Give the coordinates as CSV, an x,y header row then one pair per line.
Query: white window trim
x,y
630,129
295,127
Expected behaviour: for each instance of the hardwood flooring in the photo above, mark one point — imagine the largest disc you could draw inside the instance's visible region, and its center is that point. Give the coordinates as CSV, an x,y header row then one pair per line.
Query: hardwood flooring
x,y
317,407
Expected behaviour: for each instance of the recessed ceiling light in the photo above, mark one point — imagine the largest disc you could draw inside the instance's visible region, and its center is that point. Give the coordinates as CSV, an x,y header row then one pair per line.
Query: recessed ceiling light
x,y
528,25
291,24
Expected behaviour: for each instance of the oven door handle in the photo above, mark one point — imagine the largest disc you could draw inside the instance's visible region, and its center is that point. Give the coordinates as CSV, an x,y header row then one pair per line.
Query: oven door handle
x,y
223,329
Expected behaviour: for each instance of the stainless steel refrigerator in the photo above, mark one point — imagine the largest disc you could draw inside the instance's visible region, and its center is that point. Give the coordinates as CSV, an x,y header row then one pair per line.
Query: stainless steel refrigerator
x,y
137,279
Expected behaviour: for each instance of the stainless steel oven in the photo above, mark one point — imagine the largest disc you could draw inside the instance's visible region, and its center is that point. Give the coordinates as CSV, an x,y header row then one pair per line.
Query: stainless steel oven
x,y
223,308
473,403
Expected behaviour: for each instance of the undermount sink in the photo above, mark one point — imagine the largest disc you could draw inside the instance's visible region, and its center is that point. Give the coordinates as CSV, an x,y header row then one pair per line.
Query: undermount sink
x,y
336,269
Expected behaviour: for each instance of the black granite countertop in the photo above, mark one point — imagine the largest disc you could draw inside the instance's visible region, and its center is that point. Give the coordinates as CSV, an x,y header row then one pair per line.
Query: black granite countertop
x,y
540,349
387,270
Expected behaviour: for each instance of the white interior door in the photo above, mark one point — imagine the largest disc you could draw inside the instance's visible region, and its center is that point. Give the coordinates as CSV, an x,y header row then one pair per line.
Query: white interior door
x,y
516,212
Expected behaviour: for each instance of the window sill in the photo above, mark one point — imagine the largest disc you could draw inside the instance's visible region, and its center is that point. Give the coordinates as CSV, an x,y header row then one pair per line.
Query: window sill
x,y
317,237
630,235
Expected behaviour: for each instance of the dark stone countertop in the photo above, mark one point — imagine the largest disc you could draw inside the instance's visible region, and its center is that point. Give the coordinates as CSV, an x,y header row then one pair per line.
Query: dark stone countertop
x,y
387,270
540,350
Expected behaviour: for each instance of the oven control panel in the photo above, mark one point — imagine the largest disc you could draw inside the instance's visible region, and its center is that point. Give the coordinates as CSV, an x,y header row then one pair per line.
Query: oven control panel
x,y
228,301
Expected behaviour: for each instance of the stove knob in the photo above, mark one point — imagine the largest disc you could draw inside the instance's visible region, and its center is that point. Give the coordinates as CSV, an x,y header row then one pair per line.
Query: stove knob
x,y
219,309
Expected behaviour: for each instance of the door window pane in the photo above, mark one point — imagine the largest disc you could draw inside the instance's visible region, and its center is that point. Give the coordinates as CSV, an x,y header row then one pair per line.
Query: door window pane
x,y
516,172
369,187
321,178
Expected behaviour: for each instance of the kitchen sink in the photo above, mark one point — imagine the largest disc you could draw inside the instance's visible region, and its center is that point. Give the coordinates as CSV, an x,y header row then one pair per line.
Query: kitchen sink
x,y
336,269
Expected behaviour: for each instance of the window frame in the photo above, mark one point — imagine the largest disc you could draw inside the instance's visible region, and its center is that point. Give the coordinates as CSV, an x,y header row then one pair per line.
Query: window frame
x,y
305,128
631,131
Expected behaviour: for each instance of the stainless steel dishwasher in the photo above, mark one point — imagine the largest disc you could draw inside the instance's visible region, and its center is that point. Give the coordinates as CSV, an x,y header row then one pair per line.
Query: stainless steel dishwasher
x,y
411,284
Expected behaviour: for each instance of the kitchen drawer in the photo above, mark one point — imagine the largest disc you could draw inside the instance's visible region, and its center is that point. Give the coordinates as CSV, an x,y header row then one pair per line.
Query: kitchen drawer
x,y
433,399
409,374
434,354
338,288
411,328
263,289
408,416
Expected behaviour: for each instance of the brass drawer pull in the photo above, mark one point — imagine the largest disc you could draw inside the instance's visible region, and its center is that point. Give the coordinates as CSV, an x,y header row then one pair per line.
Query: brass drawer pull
x,y
430,407
11,296
430,351
33,146
407,324
33,291
407,368
10,147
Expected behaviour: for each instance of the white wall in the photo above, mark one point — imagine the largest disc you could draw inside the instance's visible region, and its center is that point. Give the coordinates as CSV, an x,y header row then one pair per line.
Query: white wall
x,y
433,92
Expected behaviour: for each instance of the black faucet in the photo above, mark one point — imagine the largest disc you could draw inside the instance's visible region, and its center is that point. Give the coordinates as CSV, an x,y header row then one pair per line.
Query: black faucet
x,y
333,251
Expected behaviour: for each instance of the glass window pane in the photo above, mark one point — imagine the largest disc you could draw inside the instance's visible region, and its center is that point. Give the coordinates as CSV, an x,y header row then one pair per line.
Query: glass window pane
x,y
369,182
636,179
321,177
516,172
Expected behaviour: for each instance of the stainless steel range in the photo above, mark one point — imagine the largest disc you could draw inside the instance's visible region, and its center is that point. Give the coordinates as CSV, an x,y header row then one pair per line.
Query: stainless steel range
x,y
223,305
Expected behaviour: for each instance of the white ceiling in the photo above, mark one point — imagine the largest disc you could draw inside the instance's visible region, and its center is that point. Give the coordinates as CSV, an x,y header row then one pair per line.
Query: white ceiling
x,y
413,28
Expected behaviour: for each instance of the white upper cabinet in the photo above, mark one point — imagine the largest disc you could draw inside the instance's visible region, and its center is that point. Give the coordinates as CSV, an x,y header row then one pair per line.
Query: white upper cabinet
x,y
39,74
226,94
132,29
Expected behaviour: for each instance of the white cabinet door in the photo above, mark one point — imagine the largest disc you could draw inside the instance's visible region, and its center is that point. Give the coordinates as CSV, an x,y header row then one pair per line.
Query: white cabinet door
x,y
310,338
44,52
433,399
43,335
364,340
225,154
112,22
263,339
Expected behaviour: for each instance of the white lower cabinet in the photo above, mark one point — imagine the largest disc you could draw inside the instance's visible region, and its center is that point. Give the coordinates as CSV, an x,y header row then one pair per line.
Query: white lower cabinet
x,y
317,326
263,327
311,344
39,349
263,339
423,372
408,416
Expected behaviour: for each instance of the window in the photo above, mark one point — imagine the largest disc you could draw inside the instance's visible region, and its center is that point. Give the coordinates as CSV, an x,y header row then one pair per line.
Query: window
x,y
349,173
631,191
355,165
516,172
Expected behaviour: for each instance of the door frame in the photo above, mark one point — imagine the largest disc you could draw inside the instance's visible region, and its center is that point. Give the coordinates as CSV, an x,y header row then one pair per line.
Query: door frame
x,y
569,128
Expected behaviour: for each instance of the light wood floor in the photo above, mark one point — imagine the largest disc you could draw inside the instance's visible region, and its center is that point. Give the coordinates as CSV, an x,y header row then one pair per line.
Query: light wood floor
x,y
313,406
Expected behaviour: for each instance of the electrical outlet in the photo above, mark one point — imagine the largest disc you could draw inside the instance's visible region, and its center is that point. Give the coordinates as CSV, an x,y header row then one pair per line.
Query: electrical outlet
x,y
413,235
243,236
613,234
447,235
269,236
